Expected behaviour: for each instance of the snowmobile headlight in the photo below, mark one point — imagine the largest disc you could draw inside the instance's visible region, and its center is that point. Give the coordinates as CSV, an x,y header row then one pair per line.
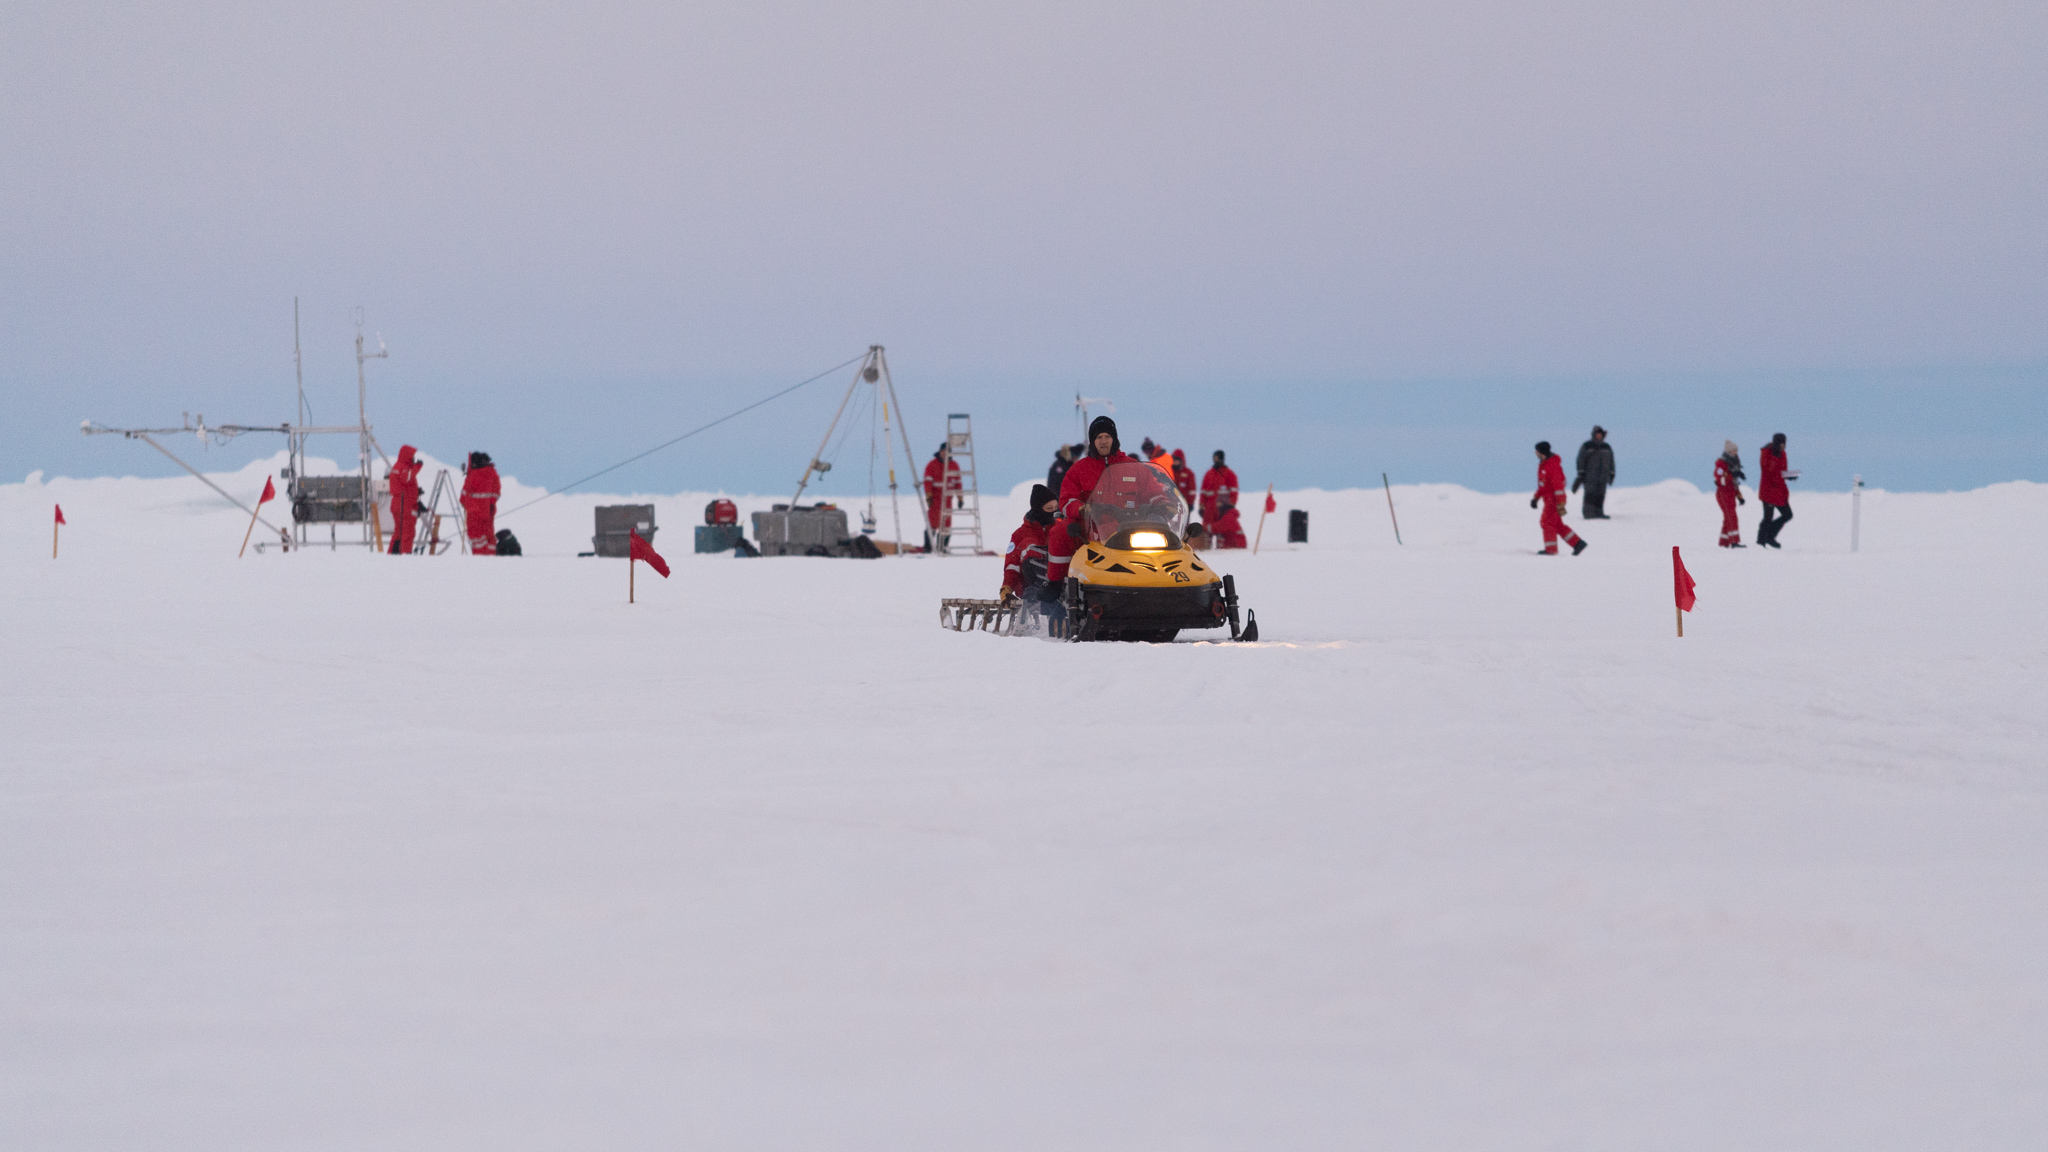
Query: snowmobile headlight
x,y
1148,541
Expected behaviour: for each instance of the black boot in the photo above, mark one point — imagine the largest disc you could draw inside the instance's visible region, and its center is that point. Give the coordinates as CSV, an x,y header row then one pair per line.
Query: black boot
x,y
1578,548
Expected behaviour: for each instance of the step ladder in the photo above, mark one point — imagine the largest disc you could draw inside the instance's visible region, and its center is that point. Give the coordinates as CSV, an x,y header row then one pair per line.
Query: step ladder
x,y
956,524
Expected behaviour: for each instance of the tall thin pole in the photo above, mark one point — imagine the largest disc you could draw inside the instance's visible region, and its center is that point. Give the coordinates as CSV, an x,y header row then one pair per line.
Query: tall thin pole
x,y
1855,512
1390,507
924,514
817,458
632,564
1262,520
1681,622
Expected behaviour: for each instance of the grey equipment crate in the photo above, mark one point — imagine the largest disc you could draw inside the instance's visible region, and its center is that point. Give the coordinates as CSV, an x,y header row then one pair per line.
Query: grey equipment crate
x,y
717,537
815,531
616,524
327,499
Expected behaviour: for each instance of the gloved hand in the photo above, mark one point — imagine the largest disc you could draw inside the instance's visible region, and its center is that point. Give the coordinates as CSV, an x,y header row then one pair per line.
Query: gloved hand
x,y
1074,531
1575,484
1532,501
1739,501
1007,596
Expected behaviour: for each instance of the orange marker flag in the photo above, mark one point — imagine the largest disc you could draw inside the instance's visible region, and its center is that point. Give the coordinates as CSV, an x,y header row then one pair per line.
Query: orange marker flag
x,y
269,494
53,531
636,551
1681,588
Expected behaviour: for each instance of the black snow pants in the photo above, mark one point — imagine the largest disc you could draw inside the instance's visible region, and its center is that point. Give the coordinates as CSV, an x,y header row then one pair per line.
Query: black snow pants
x,y
1767,532
1594,504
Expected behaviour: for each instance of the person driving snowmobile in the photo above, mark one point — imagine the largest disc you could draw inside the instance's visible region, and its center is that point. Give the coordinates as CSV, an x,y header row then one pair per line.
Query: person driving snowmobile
x,y
1060,541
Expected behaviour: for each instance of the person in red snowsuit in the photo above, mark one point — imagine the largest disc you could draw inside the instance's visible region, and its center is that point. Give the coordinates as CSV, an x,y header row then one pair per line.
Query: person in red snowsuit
x,y
1550,497
1728,493
1067,532
941,481
1771,491
1219,505
480,504
1024,562
1184,477
405,499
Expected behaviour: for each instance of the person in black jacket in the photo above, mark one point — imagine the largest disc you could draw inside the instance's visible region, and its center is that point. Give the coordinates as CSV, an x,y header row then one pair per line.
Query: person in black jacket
x,y
1596,472
1062,461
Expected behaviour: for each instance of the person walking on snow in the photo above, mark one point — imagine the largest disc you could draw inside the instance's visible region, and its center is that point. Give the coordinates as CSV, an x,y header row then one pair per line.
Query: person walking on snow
x,y
1596,472
480,504
1065,535
1771,491
405,499
1184,477
1728,492
1024,562
1551,497
941,480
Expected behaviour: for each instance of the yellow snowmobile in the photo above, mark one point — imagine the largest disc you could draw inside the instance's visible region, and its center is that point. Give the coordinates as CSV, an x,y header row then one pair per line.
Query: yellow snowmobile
x,y
1133,577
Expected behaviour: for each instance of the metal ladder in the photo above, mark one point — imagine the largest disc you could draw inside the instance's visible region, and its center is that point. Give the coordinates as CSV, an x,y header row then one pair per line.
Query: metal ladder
x,y
966,518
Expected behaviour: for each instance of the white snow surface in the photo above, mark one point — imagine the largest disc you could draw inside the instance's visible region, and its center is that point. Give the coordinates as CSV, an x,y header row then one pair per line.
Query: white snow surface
x,y
326,850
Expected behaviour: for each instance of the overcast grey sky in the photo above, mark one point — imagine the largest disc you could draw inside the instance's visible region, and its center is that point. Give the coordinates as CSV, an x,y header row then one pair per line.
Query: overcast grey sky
x,y
585,228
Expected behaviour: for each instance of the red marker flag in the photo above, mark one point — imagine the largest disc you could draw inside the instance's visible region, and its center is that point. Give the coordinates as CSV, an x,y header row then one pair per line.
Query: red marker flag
x,y
642,550
60,514
1272,505
1681,582
269,493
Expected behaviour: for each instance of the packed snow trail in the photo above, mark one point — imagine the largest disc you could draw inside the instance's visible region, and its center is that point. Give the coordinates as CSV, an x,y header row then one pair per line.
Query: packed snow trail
x,y
327,850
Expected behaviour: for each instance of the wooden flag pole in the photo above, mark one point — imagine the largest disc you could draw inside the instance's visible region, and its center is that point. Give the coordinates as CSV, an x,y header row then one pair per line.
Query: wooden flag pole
x,y
1262,520
54,529
630,564
252,528
1681,623
1390,507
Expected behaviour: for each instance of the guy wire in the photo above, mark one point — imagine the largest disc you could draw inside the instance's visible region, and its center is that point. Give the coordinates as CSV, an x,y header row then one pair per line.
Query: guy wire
x,y
686,435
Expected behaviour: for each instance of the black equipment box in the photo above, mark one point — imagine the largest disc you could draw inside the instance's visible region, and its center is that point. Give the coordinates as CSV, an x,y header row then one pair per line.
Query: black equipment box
x,y
1297,526
616,524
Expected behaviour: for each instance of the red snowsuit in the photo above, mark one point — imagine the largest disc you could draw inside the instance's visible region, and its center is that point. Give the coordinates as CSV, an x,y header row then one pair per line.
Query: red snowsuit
x,y
1550,498
1219,488
1027,544
480,509
1219,508
1184,477
1770,487
1065,534
1729,493
405,500
941,477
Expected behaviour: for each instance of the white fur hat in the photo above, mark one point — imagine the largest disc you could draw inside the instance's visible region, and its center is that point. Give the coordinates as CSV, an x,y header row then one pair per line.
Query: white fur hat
x,y
1728,448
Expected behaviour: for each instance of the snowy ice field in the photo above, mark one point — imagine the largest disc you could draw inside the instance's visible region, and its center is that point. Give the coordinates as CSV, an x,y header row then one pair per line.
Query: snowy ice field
x,y
325,850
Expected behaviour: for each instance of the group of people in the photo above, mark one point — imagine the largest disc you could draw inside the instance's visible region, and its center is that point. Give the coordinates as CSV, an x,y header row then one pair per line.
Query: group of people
x,y
1596,473
479,505
1042,548
1215,496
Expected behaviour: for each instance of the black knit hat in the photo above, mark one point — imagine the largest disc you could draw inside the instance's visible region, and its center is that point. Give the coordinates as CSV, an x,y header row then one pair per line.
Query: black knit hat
x,y
1097,427
1778,439
1543,447
1040,494
479,459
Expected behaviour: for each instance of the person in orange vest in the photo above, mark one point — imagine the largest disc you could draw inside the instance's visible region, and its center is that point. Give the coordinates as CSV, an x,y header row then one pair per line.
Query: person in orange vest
x,y
1550,497
1157,457
405,499
1184,477
480,504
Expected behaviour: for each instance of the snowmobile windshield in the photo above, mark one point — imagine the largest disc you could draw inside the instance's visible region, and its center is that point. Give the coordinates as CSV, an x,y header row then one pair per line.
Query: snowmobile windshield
x,y
1135,506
